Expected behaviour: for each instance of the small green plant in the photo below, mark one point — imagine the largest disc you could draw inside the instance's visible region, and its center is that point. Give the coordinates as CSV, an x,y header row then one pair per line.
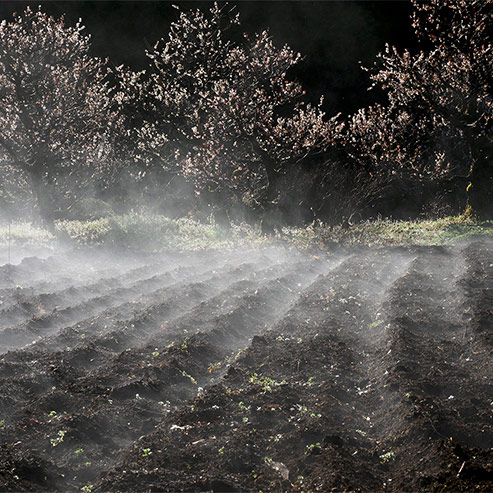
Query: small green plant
x,y
59,438
52,413
387,457
187,375
184,344
79,451
220,451
310,447
2,422
243,406
361,432
87,488
302,408
266,383
146,452
310,382
87,464
214,366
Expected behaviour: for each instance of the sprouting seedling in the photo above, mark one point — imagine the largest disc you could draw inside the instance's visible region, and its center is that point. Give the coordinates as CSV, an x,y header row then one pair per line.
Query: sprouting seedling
x,y
214,366
59,439
387,457
243,406
184,344
221,451
52,413
309,382
79,451
266,383
87,488
187,375
302,408
310,447
2,422
146,452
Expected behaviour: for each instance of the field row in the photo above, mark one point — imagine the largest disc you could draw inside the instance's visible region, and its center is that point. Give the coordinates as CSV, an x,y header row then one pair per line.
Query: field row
x,y
263,369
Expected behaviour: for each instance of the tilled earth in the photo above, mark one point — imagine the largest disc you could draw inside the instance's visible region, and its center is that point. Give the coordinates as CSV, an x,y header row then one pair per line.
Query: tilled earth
x,y
248,370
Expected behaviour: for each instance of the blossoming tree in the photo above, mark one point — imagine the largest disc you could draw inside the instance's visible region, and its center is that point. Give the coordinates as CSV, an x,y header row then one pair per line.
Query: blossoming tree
x,y
57,118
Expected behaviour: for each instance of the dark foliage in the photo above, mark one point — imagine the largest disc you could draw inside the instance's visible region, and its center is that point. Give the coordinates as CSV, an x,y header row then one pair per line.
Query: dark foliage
x,y
222,114
437,124
57,118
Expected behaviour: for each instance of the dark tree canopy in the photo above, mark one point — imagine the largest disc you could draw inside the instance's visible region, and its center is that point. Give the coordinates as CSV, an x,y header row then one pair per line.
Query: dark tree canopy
x,y
440,110
225,115
57,117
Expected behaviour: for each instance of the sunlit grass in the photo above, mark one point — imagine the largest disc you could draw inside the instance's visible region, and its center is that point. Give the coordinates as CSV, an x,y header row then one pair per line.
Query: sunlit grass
x,y
387,232
153,232
23,233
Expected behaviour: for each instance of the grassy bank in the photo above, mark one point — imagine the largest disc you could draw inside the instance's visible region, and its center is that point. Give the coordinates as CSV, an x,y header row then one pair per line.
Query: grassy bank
x,y
149,232
386,232
155,232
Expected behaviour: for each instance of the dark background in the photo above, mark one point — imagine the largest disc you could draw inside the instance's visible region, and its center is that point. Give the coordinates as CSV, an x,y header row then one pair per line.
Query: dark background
x,y
333,36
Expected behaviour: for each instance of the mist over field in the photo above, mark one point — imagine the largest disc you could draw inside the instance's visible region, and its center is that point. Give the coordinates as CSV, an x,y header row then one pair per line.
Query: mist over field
x,y
195,368
225,265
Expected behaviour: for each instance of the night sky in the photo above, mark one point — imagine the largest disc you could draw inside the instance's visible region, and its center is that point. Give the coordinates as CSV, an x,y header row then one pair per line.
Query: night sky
x,y
333,36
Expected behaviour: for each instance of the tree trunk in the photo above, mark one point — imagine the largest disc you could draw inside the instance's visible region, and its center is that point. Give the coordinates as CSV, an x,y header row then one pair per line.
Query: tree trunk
x,y
480,188
270,219
43,199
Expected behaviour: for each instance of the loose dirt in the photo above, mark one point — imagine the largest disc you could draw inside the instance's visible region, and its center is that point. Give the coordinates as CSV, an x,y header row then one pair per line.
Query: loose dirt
x,y
248,370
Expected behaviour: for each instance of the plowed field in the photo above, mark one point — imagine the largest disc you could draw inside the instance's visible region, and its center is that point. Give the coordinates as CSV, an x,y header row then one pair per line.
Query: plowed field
x,y
247,370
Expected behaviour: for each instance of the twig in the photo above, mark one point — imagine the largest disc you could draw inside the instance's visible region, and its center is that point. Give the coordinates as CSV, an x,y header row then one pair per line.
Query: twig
x,y
461,467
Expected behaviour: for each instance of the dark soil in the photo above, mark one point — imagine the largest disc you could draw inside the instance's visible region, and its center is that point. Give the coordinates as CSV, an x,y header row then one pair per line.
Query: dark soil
x,y
248,370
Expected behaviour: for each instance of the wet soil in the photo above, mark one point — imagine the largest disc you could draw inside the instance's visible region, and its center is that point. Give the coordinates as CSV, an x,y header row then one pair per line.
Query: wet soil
x,y
251,370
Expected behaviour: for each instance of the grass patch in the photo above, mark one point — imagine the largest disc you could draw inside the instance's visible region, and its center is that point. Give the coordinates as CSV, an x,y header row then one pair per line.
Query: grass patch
x,y
153,232
24,233
386,232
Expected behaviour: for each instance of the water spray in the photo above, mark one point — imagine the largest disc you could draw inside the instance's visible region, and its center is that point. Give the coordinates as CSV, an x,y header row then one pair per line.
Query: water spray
x,y
8,249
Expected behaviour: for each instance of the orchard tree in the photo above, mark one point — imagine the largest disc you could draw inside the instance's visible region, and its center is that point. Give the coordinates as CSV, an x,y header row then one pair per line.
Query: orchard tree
x,y
223,114
440,100
57,118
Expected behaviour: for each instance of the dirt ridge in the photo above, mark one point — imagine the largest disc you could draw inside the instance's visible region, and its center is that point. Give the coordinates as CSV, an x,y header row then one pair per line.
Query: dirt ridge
x,y
268,370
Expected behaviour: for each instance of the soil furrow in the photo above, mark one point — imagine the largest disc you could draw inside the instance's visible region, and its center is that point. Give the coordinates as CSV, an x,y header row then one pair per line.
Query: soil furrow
x,y
147,389
258,370
109,305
